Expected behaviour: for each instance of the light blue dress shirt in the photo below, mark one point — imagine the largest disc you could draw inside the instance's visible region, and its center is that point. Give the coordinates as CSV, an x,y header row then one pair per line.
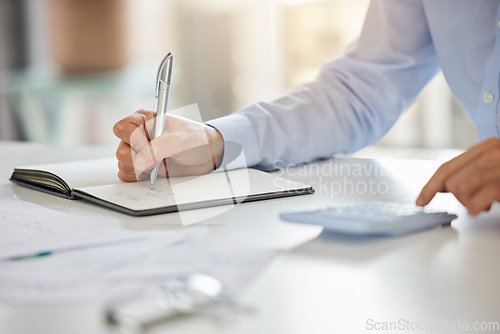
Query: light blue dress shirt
x,y
357,98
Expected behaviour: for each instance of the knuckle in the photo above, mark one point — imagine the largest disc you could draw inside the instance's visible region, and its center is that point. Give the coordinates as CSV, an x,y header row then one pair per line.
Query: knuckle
x,y
444,168
122,176
137,136
122,166
122,153
495,154
493,141
464,186
493,190
126,177
450,185
118,128
492,155
146,113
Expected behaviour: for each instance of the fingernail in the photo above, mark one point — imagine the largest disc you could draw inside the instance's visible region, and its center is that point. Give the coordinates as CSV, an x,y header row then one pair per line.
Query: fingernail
x,y
420,201
472,212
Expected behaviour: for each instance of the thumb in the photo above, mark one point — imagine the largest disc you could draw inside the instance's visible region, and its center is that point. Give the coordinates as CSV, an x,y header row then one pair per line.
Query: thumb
x,y
146,159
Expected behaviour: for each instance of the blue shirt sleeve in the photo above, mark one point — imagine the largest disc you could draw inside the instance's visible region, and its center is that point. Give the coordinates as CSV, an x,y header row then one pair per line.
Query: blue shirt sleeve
x,y
351,104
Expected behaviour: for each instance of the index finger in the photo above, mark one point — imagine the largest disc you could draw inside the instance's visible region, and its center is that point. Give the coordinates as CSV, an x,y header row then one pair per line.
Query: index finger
x,y
437,182
134,129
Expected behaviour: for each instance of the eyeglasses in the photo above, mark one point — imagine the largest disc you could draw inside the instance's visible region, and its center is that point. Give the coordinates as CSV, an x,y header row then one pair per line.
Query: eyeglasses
x,y
137,309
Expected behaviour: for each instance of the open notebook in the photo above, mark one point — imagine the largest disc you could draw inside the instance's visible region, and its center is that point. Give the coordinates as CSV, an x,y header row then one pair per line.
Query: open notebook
x,y
97,181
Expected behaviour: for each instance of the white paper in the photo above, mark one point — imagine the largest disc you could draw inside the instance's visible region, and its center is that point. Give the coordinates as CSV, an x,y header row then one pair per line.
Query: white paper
x,y
78,276
101,275
28,229
81,272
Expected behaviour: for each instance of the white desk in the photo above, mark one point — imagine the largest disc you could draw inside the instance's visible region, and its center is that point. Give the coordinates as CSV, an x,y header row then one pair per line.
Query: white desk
x,y
331,284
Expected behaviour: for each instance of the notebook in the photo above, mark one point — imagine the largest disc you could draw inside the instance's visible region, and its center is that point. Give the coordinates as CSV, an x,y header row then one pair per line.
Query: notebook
x,y
97,181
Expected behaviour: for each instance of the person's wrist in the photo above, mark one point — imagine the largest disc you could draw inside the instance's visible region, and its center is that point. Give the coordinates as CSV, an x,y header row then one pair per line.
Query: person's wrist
x,y
216,145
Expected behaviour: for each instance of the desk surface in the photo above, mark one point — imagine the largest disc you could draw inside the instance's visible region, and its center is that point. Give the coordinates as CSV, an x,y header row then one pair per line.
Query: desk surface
x,y
324,283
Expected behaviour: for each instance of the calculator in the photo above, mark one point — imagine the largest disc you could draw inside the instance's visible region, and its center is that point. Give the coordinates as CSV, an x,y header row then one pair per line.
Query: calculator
x,y
372,218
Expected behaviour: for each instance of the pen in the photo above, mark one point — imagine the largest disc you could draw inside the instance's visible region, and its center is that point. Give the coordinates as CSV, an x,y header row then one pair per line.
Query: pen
x,y
162,88
46,253
30,257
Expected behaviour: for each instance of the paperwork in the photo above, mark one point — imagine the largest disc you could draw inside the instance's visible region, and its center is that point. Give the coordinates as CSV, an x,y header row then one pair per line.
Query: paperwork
x,y
92,262
45,253
27,230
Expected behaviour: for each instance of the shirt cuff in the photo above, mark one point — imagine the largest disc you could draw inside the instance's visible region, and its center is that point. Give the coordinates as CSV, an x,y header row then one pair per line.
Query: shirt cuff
x,y
240,142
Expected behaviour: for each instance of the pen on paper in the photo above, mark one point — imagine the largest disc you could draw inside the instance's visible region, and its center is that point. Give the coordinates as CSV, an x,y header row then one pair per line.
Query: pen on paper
x,y
30,257
162,89
42,254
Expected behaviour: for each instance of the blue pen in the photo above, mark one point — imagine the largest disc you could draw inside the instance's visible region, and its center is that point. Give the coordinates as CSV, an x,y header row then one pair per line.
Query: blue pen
x,y
40,255
30,257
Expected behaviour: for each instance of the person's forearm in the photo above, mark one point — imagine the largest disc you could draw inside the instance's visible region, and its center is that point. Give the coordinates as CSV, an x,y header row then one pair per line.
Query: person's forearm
x,y
354,101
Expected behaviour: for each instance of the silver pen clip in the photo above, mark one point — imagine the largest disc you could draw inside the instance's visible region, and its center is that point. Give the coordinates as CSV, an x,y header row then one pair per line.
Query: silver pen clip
x,y
164,72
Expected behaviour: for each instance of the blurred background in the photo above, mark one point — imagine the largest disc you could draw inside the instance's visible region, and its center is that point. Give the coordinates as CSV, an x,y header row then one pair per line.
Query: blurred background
x,y
70,69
